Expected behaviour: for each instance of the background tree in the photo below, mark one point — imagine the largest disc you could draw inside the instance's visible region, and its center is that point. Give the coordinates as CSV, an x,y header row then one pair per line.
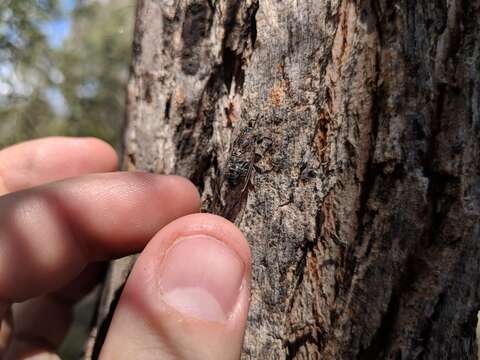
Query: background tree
x,y
75,86
343,138
95,60
25,64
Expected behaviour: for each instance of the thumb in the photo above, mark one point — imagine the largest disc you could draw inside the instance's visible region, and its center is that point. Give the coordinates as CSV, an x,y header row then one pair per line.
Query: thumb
x,y
187,296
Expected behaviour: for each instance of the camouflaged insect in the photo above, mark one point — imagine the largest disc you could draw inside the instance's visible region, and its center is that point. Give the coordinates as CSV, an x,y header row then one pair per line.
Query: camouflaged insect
x,y
240,163
233,188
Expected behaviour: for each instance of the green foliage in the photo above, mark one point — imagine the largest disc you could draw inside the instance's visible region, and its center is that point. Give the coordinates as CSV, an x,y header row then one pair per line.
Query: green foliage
x,y
95,63
25,60
21,41
76,89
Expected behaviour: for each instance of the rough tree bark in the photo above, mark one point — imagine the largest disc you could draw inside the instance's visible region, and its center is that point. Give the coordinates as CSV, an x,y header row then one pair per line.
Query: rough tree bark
x,y
343,138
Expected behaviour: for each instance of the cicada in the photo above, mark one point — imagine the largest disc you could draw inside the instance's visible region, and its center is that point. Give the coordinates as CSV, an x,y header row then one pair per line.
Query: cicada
x,y
235,181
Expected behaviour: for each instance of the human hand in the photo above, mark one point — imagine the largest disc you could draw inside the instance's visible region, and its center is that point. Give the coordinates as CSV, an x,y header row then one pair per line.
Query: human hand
x,y
63,212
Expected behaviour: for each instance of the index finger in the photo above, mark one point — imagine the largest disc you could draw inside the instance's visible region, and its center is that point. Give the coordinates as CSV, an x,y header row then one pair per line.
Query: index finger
x,y
48,234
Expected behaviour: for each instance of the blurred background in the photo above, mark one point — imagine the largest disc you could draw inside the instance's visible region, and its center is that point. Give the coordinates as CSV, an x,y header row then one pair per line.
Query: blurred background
x,y
64,65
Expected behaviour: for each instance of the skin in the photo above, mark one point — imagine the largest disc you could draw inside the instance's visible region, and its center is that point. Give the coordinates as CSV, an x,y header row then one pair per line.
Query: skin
x,y
65,211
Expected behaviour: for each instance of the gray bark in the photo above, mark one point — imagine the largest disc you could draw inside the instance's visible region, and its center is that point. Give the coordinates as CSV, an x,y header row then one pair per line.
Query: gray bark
x,y
343,138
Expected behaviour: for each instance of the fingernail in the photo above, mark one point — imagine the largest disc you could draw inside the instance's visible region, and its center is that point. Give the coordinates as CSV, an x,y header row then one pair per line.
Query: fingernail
x,y
201,277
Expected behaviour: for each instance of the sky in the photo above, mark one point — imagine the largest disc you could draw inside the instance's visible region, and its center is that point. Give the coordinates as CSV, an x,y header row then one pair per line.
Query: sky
x,y
56,31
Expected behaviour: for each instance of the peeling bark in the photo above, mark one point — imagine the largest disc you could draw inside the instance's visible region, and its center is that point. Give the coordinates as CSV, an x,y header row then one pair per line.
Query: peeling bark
x,y
343,138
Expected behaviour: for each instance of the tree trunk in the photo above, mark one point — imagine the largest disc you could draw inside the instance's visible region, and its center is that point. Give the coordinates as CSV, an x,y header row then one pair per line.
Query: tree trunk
x,y
343,138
